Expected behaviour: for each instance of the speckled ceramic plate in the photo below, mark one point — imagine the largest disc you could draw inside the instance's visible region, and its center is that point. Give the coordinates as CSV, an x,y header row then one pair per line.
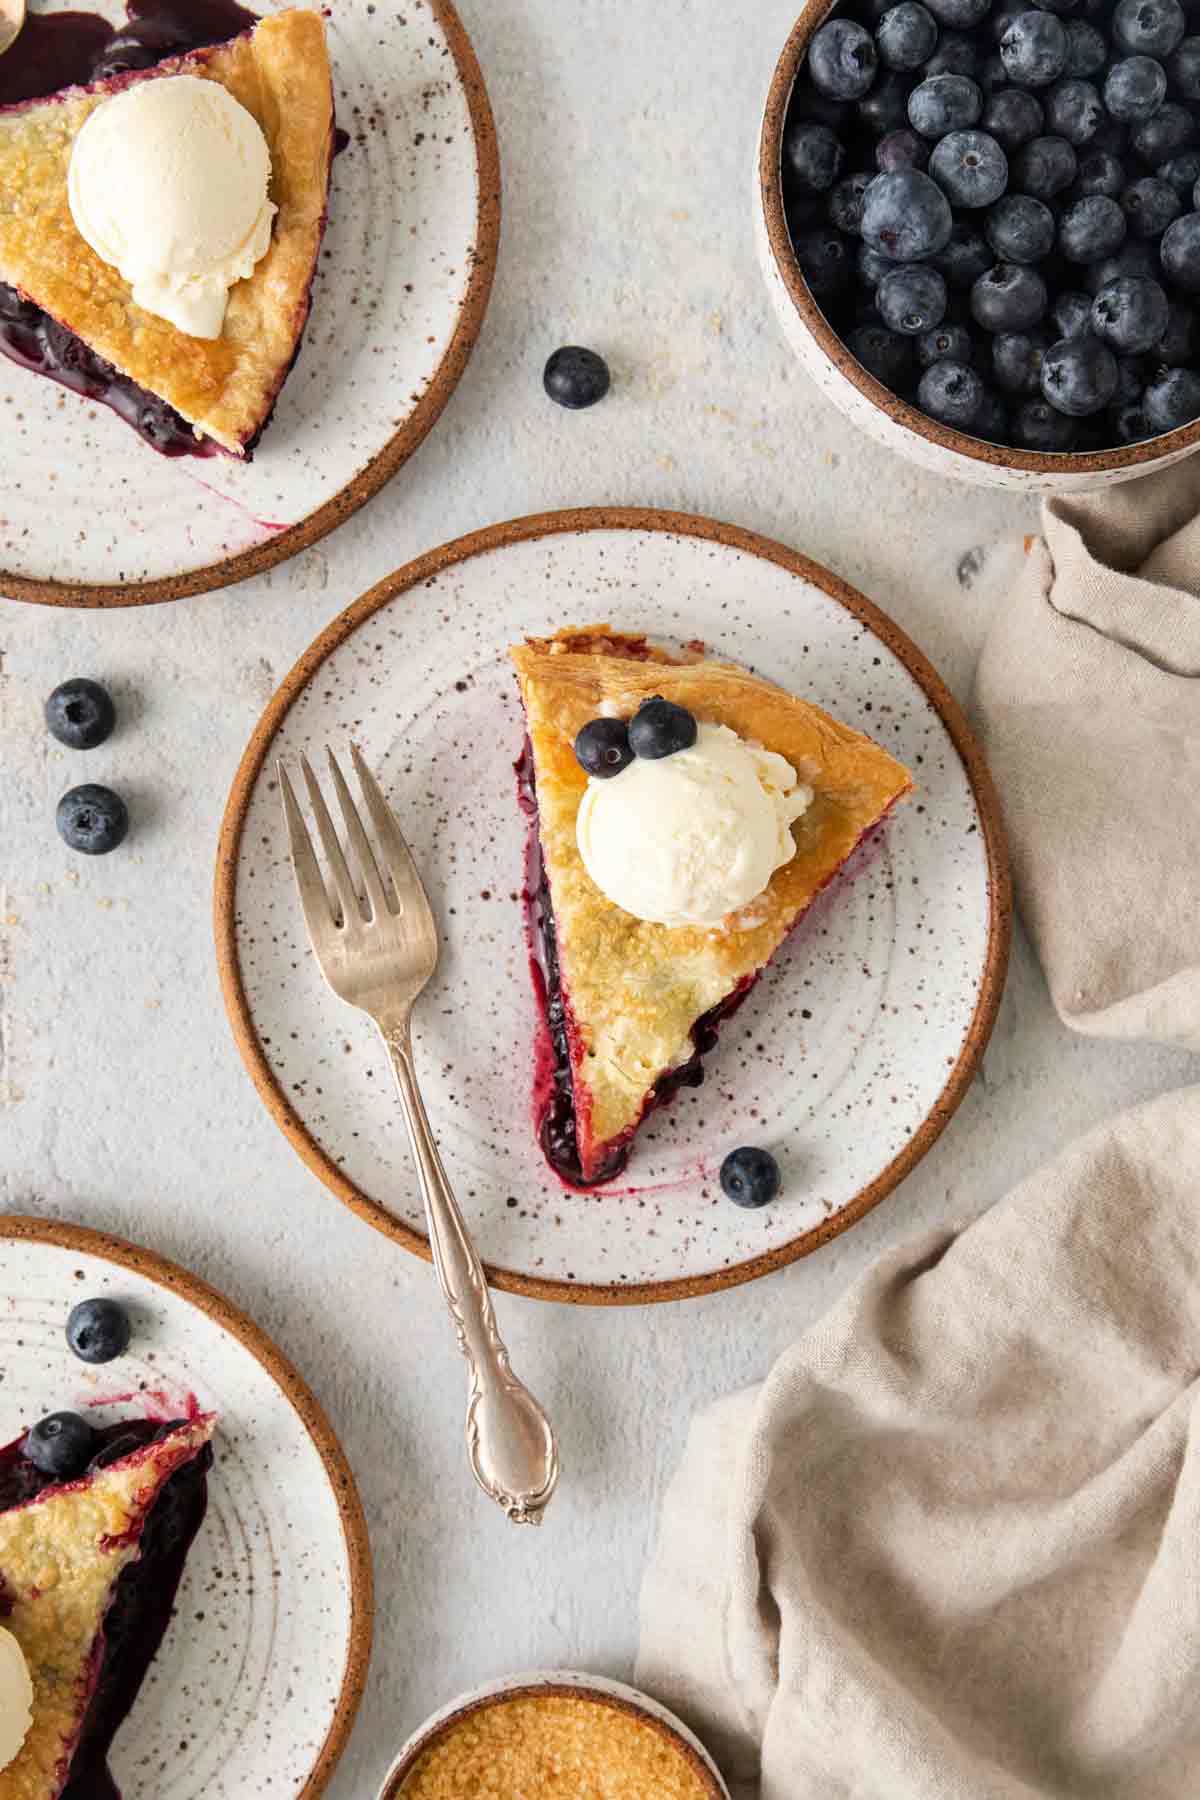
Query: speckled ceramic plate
x,y
258,1680
847,1059
91,517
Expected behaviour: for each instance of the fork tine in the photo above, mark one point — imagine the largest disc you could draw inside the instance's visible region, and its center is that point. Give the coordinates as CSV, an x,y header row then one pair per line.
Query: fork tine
x,y
346,892
360,841
314,899
398,858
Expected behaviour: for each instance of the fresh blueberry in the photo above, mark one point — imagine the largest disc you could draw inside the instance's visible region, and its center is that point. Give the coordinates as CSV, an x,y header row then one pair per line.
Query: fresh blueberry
x,y
1034,49
949,343
944,103
1091,229
1039,426
92,819
1087,51
1131,259
1071,315
808,102
885,108
1148,27
1130,315
660,728
1150,205
906,36
993,76
60,1445
1074,110
1044,167
1010,297
1135,89
1181,172
871,266
1172,399
80,714
1013,117
1129,422
1183,69
1079,376
813,156
826,261
992,422
1020,229
1017,360
1001,17
842,60
1180,253
959,15
1100,173
98,1331
1176,348
884,354
952,393
903,149
1133,372
750,1177
970,168
955,55
906,216
575,377
965,256
1171,130
846,203
912,299
602,748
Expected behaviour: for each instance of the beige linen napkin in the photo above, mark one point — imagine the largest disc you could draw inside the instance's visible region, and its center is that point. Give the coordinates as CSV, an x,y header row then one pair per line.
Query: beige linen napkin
x,y
1087,700
950,1550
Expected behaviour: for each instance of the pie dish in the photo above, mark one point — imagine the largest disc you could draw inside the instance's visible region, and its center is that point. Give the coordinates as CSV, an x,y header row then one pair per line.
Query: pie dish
x,y
627,1008
68,314
88,1573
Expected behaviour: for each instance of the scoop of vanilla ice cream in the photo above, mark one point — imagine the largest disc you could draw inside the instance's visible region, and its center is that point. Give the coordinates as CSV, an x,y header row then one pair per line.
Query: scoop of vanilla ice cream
x,y
168,184
688,839
16,1698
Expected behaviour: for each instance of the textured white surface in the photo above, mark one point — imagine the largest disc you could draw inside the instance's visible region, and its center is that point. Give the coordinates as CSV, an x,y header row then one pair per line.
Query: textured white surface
x,y
628,226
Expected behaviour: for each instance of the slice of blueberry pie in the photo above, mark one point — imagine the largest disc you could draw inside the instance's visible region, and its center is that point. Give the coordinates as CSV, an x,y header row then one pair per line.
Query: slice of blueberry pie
x,y
159,231
95,1527
683,816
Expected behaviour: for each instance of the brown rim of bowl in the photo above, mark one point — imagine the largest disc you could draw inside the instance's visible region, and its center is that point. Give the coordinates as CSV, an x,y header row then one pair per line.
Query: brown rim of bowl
x,y
181,1281
424,569
770,149
396,452
553,1690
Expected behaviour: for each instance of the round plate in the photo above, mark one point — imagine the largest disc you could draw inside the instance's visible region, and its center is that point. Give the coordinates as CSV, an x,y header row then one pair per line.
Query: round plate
x,y
258,1681
403,284
849,1056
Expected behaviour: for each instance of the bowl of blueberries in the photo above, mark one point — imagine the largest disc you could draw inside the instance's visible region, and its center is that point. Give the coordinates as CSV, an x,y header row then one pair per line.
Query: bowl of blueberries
x,y
980,223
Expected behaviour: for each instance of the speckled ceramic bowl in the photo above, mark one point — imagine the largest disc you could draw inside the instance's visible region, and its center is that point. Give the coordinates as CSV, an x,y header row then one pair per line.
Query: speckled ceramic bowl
x,y
612,1696
866,401
255,1688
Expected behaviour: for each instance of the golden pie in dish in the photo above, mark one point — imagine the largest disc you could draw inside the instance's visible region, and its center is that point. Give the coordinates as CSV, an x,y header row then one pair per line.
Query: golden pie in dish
x,y
88,1574
629,1006
218,391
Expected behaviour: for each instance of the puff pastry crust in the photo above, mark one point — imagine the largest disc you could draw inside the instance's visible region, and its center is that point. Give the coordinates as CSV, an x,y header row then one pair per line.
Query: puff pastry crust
x,y
60,1557
225,388
634,990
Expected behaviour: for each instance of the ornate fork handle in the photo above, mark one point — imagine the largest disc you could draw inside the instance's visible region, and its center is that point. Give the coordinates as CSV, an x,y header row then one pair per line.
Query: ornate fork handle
x,y
509,1440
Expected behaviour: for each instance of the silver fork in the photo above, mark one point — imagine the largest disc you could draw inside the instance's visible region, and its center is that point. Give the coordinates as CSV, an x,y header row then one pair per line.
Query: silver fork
x,y
379,958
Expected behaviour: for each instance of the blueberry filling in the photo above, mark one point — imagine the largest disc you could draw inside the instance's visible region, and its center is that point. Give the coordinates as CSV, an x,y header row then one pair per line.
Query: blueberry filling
x,y
58,50
555,1095
143,1601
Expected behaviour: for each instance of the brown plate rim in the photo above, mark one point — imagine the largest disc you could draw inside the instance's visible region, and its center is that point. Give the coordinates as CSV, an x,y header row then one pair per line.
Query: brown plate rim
x,y
554,1690
770,183
148,1263
400,446
644,519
